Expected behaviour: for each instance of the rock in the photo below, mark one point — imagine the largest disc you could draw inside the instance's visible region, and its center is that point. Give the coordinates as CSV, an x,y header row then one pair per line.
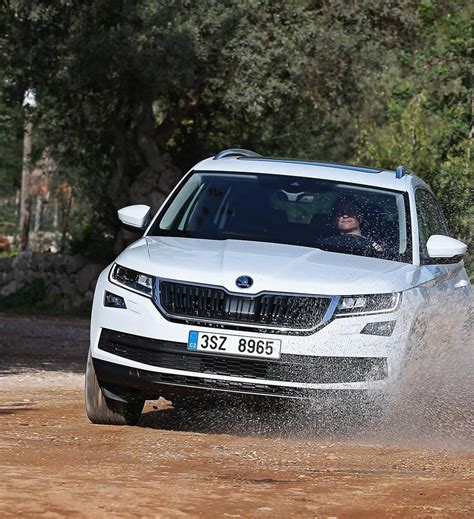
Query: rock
x,y
74,263
6,264
38,263
59,261
68,288
54,295
89,295
18,275
48,263
69,280
86,277
29,276
23,261
9,289
150,187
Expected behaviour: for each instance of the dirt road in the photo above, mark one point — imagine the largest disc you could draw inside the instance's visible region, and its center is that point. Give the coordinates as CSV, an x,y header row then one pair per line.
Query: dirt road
x,y
197,461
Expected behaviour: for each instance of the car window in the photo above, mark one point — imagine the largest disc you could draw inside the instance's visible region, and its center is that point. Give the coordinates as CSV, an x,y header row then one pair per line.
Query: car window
x,y
290,210
430,219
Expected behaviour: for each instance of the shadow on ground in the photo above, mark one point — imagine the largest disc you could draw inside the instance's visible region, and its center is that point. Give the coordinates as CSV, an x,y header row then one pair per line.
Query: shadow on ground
x,y
52,344
424,425
269,417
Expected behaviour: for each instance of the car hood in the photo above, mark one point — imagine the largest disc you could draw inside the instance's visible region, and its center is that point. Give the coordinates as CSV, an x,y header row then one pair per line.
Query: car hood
x,y
273,267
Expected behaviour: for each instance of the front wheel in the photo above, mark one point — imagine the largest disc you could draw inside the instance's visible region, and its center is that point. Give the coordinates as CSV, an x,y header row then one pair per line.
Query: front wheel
x,y
103,410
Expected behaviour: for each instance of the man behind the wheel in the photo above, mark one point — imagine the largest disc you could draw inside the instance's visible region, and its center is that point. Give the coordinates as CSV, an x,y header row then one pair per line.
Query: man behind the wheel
x,y
347,218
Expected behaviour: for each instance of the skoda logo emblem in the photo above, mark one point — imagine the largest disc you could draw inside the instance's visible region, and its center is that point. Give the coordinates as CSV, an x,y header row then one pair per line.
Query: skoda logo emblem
x,y
244,281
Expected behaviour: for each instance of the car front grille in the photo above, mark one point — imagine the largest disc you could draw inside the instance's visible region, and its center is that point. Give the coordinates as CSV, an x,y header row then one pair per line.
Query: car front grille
x,y
196,303
289,368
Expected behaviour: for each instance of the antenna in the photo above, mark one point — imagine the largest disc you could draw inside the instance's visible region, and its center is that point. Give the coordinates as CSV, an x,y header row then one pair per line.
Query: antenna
x,y
403,170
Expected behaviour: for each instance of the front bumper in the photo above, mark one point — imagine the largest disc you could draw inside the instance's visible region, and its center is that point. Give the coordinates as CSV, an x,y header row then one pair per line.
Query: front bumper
x,y
138,348
236,374
123,382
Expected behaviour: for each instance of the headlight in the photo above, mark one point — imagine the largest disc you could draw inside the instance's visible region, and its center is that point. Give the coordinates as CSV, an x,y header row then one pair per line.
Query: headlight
x,y
369,304
131,279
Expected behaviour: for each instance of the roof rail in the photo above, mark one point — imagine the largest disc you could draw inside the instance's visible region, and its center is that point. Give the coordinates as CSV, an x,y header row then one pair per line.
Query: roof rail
x,y
403,170
235,152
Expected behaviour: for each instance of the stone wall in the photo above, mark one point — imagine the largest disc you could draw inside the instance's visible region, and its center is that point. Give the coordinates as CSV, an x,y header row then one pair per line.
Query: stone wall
x,y
63,282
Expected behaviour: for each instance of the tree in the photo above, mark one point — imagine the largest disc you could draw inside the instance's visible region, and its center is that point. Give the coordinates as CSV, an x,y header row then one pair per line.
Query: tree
x,y
124,86
11,138
430,112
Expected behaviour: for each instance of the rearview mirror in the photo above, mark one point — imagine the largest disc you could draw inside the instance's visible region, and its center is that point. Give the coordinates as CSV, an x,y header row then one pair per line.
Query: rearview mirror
x,y
134,217
301,197
445,247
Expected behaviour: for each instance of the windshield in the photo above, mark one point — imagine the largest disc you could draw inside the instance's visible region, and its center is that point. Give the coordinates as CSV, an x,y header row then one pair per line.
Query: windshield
x,y
333,216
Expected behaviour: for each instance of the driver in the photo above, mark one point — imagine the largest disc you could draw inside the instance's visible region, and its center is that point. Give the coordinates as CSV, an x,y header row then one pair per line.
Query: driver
x,y
347,218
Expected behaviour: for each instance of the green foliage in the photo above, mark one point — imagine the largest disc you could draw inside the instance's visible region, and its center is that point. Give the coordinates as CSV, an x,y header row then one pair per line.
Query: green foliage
x,y
280,76
8,219
290,76
124,87
428,113
11,146
93,242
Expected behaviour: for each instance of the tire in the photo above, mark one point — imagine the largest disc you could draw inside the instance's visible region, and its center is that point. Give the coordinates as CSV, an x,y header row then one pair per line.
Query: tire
x,y
103,410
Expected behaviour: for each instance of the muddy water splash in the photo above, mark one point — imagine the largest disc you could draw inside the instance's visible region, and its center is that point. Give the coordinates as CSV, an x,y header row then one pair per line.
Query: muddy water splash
x,y
433,401
429,406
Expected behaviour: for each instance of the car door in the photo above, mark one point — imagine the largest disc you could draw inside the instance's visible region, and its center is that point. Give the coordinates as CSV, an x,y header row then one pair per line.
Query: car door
x,y
449,273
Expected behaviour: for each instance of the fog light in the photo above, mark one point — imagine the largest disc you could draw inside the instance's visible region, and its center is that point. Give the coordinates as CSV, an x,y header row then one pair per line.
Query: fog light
x,y
384,328
114,301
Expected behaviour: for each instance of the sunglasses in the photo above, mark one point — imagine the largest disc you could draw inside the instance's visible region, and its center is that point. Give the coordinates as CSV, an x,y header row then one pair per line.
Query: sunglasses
x,y
347,213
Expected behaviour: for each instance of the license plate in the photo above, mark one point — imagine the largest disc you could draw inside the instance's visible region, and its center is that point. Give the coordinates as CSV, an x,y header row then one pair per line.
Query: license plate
x,y
219,343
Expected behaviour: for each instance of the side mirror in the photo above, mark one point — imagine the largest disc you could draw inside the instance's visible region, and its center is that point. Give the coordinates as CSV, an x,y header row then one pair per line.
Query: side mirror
x,y
445,247
134,218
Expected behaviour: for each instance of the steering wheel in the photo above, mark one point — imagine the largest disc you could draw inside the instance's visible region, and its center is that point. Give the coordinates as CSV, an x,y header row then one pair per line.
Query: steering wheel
x,y
353,243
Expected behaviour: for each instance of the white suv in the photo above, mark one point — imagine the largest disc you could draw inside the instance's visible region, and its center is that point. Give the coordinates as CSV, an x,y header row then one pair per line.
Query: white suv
x,y
272,277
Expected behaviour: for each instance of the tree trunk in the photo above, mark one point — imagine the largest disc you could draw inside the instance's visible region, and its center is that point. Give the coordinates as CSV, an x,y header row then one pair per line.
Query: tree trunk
x,y
153,183
25,203
38,213
67,213
34,239
56,214
140,176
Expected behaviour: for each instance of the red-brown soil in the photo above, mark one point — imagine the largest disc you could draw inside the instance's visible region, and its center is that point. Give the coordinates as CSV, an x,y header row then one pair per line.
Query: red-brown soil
x,y
205,461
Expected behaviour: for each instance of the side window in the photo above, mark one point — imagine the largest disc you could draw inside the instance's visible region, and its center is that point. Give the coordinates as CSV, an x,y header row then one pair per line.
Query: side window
x,y
430,219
